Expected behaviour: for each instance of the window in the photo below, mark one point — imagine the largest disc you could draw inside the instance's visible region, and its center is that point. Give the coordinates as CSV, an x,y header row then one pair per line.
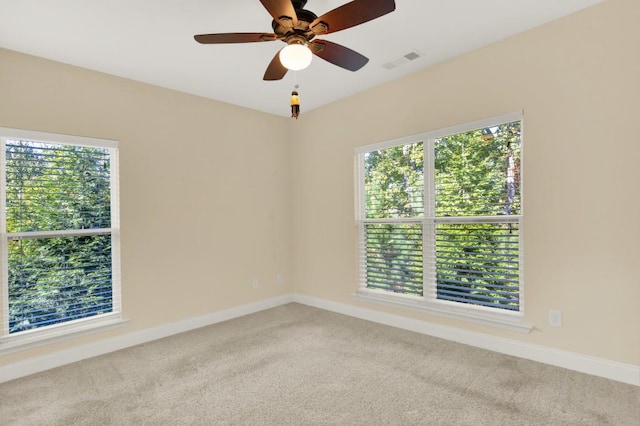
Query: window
x,y
59,225
439,219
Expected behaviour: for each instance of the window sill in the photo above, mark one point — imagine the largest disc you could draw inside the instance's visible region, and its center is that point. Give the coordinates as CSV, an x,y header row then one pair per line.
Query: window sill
x,y
33,338
507,320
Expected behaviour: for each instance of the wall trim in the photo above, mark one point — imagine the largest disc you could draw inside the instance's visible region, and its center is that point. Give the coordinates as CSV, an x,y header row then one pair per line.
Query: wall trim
x,y
67,356
626,373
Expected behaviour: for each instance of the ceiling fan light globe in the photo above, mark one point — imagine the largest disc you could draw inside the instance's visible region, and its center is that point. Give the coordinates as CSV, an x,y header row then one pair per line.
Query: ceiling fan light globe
x,y
295,57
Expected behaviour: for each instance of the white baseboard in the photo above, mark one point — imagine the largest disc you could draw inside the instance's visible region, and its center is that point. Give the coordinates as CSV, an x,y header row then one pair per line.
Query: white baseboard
x,y
68,356
626,373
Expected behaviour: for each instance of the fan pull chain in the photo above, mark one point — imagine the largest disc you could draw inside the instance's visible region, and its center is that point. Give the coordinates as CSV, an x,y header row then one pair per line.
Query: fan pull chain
x,y
295,102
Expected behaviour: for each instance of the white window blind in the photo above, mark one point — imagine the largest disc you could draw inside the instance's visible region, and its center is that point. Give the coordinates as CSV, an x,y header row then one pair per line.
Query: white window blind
x,y
440,216
393,257
59,226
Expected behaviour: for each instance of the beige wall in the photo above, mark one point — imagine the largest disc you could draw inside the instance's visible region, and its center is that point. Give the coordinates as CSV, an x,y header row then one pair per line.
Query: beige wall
x,y
209,202
204,195
576,80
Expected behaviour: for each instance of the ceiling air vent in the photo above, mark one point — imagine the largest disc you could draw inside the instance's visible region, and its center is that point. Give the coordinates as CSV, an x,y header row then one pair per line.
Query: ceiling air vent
x,y
411,56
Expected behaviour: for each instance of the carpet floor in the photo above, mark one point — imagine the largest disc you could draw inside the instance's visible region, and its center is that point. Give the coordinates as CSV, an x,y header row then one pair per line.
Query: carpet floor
x,y
297,365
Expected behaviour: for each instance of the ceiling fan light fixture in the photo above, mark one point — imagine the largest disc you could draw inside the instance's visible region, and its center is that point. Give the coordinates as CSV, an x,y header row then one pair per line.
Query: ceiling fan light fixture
x,y
295,57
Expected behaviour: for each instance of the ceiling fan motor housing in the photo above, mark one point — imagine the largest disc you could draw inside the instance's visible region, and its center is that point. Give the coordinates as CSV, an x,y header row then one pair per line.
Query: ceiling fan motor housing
x,y
284,26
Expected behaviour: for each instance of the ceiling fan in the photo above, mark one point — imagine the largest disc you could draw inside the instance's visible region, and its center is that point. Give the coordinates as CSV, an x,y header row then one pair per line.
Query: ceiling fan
x,y
298,27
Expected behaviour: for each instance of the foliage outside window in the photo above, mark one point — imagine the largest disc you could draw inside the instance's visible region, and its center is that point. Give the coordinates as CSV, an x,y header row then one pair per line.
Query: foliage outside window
x,y
440,216
59,245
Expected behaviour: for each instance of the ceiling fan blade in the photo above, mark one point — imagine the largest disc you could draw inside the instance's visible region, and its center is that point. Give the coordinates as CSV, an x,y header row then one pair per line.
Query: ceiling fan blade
x,y
234,38
275,70
338,55
354,13
281,8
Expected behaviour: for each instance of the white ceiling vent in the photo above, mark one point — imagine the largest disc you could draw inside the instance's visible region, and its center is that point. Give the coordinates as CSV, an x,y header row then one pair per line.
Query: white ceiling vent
x,y
411,56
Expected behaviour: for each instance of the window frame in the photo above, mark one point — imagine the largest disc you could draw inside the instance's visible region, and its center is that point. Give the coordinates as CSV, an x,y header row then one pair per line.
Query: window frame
x,y
61,331
428,302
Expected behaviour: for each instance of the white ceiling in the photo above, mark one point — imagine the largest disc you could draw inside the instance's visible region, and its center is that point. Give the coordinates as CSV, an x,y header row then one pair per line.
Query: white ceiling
x,y
152,41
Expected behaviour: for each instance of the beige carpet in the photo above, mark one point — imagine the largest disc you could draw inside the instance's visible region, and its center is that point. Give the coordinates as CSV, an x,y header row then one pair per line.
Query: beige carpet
x,y
296,365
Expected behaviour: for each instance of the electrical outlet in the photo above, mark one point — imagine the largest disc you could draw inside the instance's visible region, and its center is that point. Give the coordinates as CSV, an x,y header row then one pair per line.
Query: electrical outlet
x,y
255,283
279,279
555,318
